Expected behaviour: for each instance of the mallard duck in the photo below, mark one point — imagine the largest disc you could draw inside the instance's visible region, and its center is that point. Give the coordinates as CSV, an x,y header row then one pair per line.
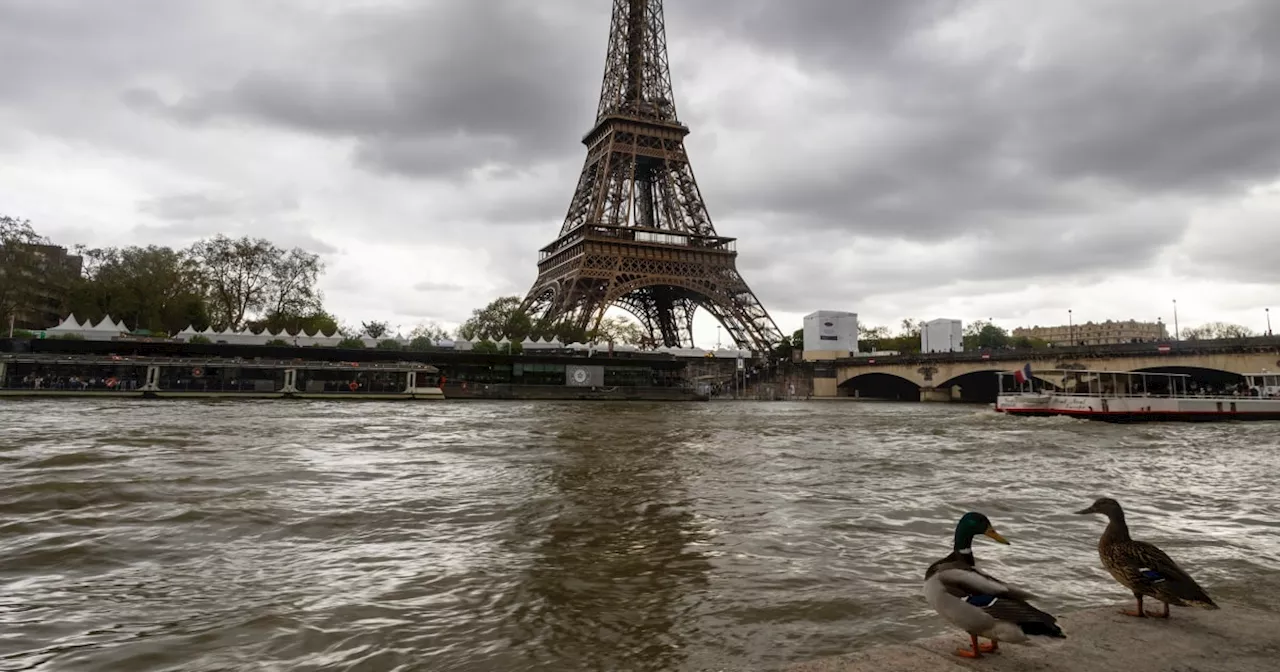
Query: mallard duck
x,y
979,603
1143,568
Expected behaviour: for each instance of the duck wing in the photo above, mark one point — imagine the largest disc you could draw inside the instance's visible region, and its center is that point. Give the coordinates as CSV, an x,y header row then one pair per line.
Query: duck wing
x,y
1150,571
982,596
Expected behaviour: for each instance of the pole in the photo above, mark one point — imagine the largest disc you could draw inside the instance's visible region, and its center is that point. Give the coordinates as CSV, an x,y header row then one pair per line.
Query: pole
x,y
1268,322
11,316
924,327
1071,328
1176,336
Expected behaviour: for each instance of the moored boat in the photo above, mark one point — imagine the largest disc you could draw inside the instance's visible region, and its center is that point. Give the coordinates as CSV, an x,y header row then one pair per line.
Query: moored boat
x,y
34,375
1124,396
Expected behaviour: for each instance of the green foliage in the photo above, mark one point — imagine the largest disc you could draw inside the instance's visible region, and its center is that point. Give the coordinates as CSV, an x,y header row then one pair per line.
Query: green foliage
x,y
200,340
422,344
69,337
375,329
250,276
1028,343
614,330
501,318
983,335
25,268
351,343
278,342
22,333
429,331
389,344
797,339
149,288
485,347
1214,330
317,322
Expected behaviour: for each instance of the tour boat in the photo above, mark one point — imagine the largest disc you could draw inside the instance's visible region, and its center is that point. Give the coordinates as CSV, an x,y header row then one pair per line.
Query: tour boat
x,y
34,375
1124,396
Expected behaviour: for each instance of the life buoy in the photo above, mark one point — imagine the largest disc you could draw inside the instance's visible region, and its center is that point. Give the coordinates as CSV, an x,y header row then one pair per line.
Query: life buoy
x,y
353,386
197,372
111,382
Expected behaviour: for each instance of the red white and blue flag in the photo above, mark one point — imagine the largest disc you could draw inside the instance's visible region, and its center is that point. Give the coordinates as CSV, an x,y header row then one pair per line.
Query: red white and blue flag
x,y
1024,374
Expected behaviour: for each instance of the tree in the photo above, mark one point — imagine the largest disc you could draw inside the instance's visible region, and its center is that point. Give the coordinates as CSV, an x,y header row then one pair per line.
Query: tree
x,y
317,322
430,331
797,339
1026,342
877,338
292,291
389,344
151,288
502,318
252,277
619,330
239,276
911,327
980,334
1215,330
25,270
375,329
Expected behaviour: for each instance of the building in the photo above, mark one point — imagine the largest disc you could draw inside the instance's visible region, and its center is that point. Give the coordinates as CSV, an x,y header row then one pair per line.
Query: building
x,y
38,290
830,334
1096,333
942,335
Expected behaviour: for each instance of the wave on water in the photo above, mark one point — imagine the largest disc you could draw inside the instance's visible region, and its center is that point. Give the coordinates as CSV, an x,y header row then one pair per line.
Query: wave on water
x,y
560,536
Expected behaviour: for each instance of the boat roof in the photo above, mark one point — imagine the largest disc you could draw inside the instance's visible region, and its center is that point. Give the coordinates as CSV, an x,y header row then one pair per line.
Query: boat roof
x,y
216,362
1103,371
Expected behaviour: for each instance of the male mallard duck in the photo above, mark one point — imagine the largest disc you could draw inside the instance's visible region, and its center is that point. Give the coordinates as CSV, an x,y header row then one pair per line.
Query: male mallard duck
x,y
1143,568
978,603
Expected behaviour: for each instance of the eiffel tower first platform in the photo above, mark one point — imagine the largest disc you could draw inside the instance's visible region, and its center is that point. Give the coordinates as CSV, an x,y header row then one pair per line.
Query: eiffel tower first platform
x,y
637,234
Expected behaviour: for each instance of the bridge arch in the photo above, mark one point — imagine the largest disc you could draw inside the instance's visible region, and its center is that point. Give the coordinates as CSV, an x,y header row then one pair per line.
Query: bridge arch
x,y
876,385
977,387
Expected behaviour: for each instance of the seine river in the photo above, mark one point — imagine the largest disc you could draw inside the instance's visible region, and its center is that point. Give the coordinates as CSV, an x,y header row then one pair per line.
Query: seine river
x,y
491,536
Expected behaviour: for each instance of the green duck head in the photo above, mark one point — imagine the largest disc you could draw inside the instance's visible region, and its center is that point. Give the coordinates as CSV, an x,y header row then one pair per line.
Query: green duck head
x,y
1104,505
973,524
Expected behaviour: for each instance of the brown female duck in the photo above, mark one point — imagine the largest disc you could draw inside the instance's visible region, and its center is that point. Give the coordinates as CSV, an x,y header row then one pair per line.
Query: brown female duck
x,y
1143,568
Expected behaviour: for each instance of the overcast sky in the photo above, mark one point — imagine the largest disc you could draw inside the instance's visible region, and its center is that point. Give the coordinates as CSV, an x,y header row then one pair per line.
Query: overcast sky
x,y
967,159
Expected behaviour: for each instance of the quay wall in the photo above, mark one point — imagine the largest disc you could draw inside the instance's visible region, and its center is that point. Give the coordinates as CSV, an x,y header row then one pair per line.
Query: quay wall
x,y
1243,636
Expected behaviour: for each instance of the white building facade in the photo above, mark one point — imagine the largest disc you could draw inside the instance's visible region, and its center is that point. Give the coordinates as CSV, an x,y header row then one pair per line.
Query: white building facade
x,y
942,335
831,331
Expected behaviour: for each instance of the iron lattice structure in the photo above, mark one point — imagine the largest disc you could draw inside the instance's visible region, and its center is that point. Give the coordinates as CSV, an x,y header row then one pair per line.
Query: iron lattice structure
x,y
638,235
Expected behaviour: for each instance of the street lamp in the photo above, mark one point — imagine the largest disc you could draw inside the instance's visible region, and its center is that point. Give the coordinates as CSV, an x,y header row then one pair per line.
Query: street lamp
x,y
925,329
1176,335
1268,320
1071,328
718,337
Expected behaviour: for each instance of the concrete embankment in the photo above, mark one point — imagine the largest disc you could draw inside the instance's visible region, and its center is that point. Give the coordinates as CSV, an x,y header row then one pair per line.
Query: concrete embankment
x,y
1243,636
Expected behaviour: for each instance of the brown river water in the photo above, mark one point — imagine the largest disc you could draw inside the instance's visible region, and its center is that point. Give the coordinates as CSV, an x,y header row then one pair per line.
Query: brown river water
x,y
491,536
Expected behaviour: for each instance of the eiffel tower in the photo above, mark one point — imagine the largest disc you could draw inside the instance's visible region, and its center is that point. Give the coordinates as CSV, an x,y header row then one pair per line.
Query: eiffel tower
x,y
637,234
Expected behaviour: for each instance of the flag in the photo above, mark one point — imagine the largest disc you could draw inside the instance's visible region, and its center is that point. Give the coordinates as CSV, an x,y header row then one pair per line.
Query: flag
x,y
1024,374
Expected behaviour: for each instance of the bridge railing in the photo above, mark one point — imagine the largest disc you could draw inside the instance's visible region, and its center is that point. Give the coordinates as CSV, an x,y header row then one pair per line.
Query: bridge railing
x,y
1255,344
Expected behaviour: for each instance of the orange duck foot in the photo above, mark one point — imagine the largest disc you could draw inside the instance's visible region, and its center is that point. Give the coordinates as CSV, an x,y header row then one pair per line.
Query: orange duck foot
x,y
989,648
968,653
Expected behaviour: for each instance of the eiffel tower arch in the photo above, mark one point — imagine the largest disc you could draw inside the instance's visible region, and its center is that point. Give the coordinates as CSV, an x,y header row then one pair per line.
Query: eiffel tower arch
x,y
637,234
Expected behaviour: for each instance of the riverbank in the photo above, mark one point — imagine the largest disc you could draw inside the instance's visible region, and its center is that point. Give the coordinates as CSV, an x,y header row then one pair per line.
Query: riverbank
x,y
1243,636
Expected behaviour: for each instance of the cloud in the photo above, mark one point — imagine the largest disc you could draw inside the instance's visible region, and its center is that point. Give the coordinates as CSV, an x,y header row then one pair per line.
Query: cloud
x,y
894,158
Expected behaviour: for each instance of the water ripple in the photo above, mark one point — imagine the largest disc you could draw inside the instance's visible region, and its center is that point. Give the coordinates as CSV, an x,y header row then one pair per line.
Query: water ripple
x,y
511,536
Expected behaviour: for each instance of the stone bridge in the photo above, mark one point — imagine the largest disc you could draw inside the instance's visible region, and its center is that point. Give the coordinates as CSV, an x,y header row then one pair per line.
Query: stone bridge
x,y
972,376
